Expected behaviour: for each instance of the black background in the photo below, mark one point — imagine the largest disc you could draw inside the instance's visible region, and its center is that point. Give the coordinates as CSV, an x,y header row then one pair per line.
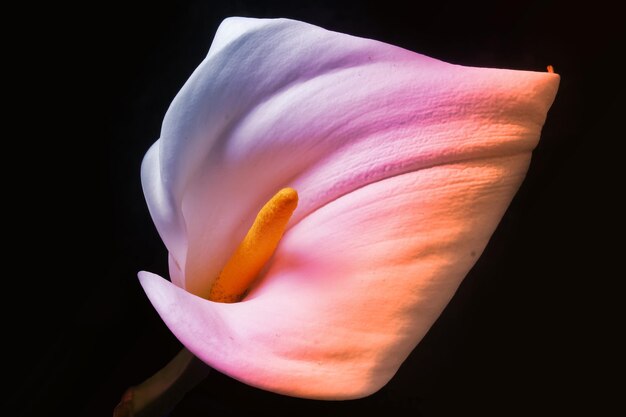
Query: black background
x,y
528,332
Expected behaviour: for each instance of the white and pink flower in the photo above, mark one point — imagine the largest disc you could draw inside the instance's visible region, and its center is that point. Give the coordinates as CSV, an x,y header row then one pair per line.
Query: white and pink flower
x,y
404,166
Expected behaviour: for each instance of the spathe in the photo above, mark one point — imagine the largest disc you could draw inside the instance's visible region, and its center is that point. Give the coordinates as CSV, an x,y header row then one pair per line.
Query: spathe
x,y
404,166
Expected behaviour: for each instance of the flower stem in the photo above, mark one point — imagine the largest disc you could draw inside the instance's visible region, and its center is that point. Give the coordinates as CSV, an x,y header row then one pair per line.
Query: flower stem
x,y
160,393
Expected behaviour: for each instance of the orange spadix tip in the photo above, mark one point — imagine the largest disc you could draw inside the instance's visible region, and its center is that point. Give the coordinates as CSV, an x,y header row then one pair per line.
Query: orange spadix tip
x,y
256,248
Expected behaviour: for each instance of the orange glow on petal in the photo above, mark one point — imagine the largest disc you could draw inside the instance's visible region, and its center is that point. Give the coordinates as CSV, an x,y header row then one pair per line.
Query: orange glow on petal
x,y
256,248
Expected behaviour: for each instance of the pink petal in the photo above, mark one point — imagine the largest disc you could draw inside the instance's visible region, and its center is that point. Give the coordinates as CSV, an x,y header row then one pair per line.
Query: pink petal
x,y
354,286
281,102
404,166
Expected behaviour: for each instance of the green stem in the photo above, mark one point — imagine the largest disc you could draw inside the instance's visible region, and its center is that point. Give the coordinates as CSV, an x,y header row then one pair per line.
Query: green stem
x,y
160,393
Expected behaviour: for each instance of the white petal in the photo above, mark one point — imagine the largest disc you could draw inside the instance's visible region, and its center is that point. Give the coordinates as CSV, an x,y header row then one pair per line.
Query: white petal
x,y
280,102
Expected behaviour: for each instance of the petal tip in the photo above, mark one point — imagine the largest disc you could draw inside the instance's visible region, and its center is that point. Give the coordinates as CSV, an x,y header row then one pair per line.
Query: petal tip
x,y
146,278
143,275
234,27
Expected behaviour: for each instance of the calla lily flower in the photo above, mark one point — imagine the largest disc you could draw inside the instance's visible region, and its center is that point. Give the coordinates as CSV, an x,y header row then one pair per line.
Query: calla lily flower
x,y
403,167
